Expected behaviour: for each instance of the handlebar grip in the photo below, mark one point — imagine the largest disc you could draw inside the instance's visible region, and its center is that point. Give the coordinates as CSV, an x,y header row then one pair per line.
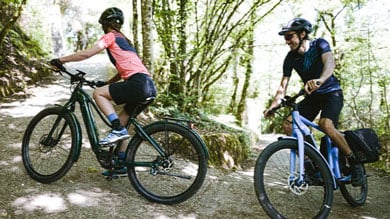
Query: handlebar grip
x,y
100,83
274,109
57,63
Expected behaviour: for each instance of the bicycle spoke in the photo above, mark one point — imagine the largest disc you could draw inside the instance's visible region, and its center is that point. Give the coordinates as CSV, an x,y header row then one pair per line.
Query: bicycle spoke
x,y
47,145
282,196
174,176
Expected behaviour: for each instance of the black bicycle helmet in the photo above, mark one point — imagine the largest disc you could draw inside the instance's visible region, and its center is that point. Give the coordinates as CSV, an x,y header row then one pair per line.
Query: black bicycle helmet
x,y
112,15
297,24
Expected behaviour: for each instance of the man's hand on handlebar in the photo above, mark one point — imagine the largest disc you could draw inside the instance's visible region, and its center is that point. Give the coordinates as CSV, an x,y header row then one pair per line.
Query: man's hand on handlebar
x,y
312,85
268,113
285,101
58,64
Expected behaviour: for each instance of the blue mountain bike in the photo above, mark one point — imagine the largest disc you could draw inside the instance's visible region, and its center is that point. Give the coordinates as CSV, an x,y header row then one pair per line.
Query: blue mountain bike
x,y
295,179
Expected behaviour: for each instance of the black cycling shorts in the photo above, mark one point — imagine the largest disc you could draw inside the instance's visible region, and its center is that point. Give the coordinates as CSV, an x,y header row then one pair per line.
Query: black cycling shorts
x,y
330,105
132,91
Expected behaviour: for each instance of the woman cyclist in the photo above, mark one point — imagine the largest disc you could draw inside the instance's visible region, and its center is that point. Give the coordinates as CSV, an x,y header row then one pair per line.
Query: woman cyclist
x,y
136,84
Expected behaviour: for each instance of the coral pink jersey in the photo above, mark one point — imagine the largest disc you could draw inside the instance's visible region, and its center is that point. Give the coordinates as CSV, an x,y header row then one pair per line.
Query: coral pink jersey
x,y
122,55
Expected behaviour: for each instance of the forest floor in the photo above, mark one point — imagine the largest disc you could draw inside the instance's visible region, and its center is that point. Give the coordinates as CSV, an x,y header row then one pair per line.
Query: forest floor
x,y
84,193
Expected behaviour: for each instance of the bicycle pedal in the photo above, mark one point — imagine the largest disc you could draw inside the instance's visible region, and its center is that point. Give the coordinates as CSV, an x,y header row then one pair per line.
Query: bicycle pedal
x,y
113,144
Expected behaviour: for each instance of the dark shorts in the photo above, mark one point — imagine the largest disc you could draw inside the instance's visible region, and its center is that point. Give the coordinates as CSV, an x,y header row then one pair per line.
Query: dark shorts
x,y
132,91
329,104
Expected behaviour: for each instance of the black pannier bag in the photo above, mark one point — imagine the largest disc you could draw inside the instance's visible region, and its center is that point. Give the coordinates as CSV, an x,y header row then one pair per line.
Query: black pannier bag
x,y
364,144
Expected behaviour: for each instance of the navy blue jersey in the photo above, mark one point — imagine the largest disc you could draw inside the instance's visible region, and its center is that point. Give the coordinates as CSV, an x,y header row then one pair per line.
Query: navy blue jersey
x,y
309,65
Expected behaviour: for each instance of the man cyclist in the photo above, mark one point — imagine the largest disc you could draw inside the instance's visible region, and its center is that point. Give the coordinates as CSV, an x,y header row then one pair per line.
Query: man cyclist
x,y
314,63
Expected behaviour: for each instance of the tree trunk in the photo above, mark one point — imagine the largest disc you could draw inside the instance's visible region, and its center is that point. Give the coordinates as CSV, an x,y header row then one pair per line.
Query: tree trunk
x,y
247,60
147,36
135,27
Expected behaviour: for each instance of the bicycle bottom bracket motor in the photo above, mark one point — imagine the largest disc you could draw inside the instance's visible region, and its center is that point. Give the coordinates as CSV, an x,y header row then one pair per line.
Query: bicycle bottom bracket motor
x,y
104,158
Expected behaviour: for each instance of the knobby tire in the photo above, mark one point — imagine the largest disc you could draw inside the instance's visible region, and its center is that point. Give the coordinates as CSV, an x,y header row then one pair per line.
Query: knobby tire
x,y
47,159
271,179
176,178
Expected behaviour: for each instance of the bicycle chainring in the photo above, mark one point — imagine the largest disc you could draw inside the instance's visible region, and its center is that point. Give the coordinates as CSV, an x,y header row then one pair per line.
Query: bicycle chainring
x,y
105,159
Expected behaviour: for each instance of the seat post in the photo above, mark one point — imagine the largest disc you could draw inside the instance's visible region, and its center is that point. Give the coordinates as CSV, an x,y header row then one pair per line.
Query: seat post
x,y
140,106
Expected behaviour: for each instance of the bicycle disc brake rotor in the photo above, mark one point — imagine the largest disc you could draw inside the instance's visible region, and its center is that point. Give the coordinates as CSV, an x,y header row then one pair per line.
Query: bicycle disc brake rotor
x,y
46,144
296,186
164,165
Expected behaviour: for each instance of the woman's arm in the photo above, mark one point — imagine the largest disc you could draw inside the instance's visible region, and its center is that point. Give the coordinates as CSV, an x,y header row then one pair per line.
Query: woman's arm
x,y
84,54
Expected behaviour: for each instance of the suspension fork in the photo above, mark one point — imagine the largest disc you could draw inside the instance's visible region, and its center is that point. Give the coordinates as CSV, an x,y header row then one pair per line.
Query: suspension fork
x,y
298,131
50,140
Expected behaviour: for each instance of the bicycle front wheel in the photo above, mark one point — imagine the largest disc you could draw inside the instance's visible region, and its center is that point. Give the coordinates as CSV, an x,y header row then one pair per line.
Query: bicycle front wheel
x,y
48,143
282,195
176,174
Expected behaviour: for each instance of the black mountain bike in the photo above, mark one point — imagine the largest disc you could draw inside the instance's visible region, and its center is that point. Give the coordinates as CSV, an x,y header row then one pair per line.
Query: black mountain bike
x,y
166,161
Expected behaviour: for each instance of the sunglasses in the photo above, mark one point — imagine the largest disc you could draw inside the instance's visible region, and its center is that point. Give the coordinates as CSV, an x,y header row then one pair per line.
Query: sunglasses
x,y
289,36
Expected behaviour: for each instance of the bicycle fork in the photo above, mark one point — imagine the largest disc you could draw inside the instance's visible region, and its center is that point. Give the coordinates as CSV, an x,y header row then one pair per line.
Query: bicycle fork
x,y
298,131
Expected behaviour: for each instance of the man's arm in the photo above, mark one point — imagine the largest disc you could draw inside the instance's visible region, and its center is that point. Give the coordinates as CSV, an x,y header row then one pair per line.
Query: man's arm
x,y
327,71
280,93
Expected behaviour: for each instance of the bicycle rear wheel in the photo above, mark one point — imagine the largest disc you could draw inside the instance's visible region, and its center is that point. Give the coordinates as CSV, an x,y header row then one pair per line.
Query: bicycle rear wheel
x,y
174,176
48,144
355,196
283,197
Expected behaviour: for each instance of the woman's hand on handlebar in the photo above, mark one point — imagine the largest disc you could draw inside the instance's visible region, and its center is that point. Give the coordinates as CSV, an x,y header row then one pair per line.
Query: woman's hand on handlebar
x,y
100,83
58,64
312,85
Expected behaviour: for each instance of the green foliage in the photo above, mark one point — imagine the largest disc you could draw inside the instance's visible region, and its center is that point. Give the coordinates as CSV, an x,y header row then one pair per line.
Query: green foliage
x,y
227,150
363,82
274,124
24,45
197,40
20,62
384,125
9,14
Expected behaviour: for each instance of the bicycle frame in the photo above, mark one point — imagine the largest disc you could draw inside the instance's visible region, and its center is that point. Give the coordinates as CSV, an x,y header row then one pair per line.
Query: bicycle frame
x,y
86,103
170,152
300,127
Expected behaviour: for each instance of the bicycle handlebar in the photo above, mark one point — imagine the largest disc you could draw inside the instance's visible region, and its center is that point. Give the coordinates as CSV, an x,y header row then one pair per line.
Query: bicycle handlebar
x,y
287,101
74,78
